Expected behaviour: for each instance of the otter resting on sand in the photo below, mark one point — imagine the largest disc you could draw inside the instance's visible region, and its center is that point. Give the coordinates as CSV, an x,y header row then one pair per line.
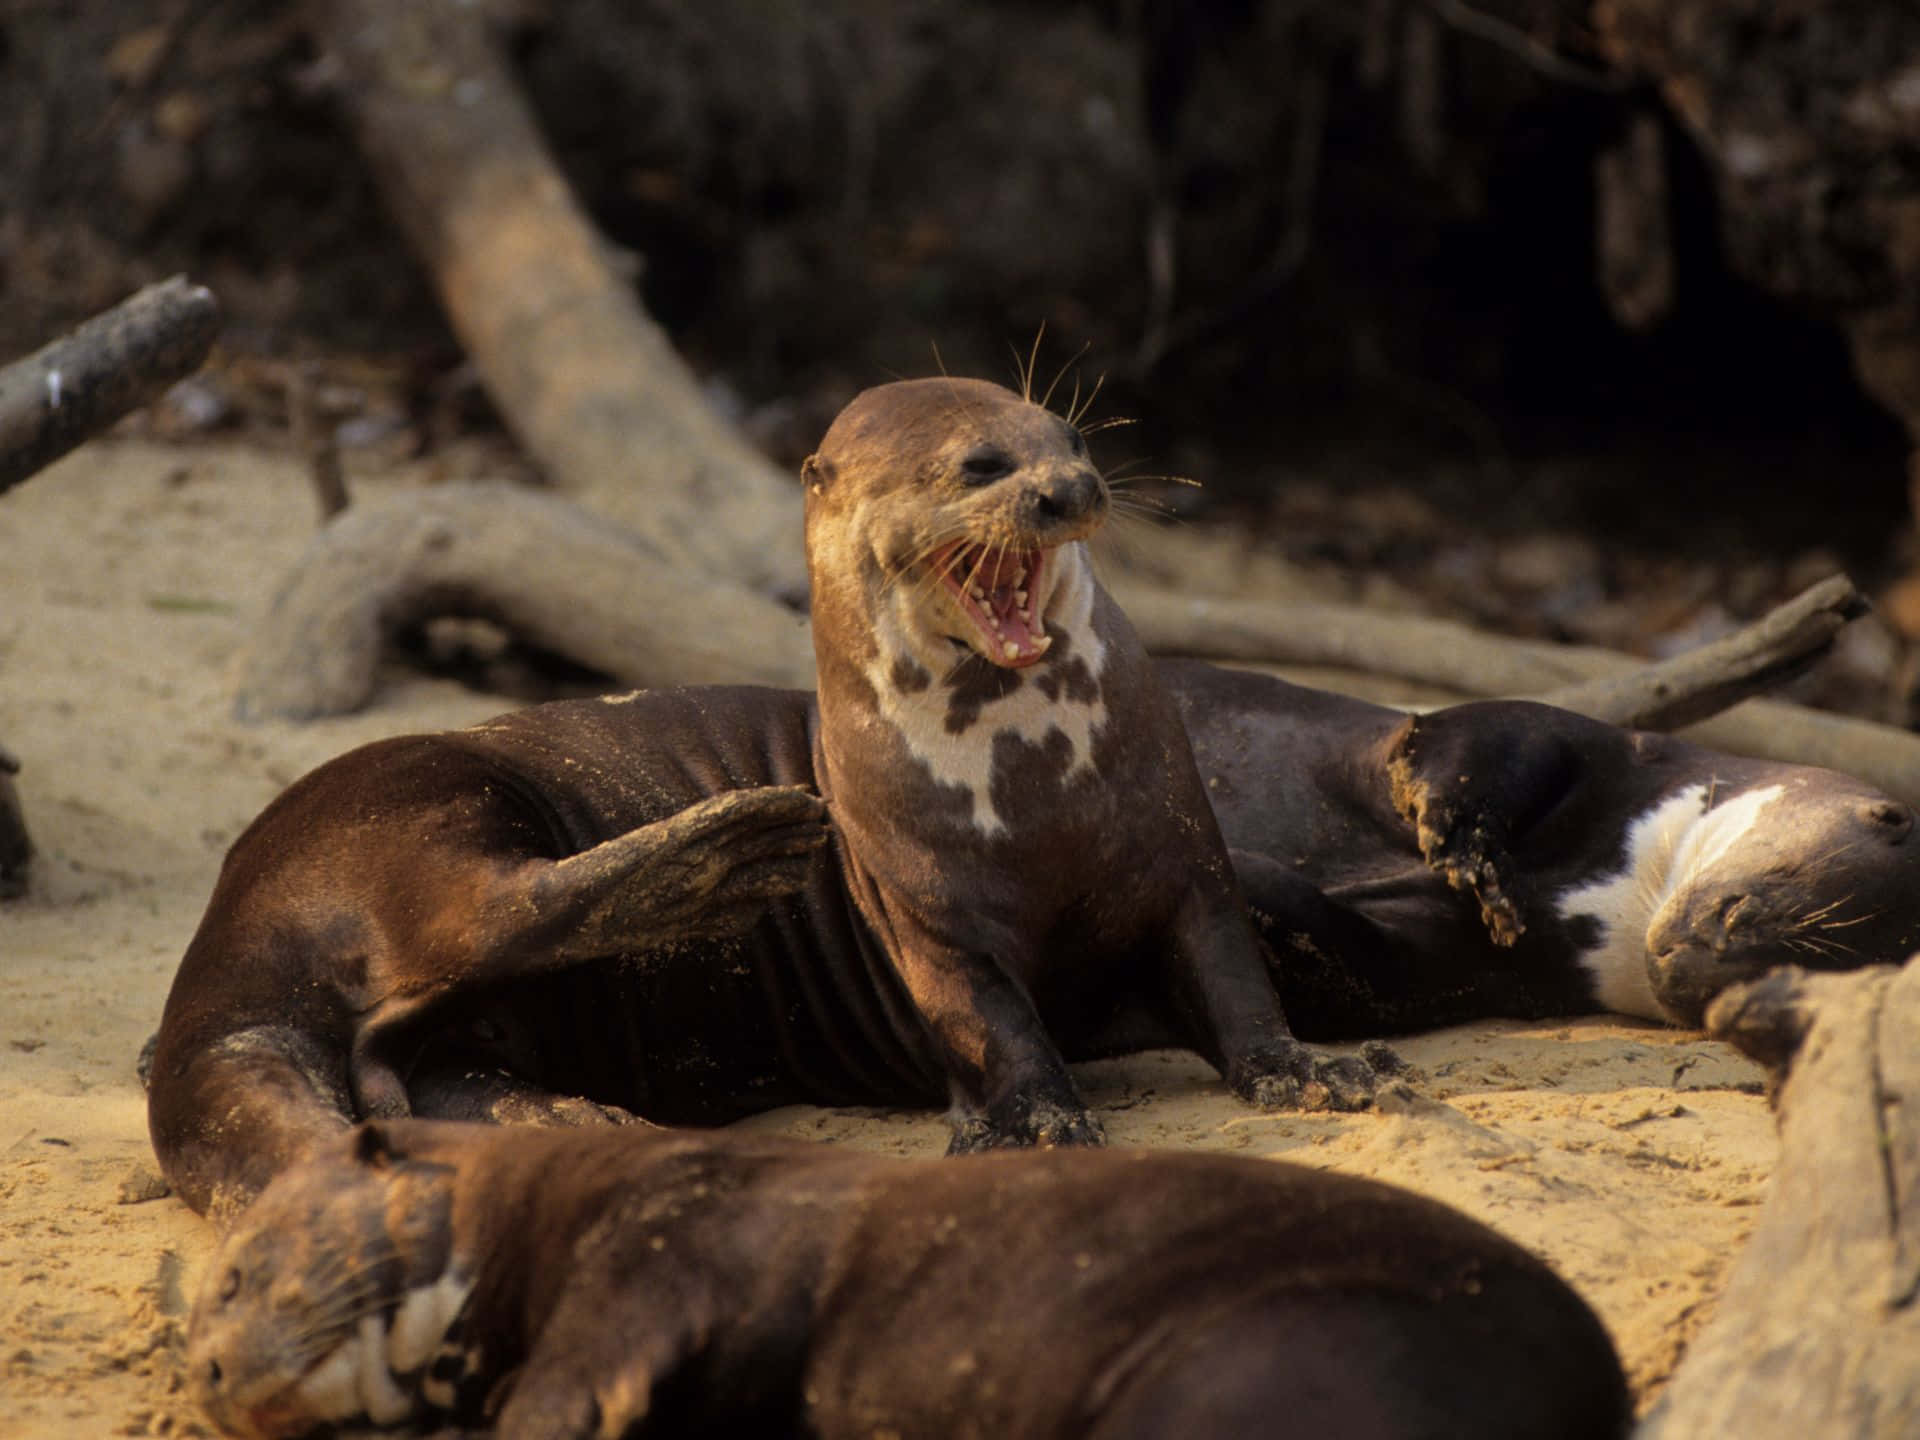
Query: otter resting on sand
x,y
584,1283
590,909
593,909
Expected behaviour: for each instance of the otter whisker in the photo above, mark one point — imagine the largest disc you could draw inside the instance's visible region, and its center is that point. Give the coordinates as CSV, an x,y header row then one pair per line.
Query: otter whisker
x,y
1078,412
1817,861
1118,479
1033,364
974,574
926,576
939,541
327,1322
1828,948
1824,910
1046,401
1141,506
916,563
1849,924
961,411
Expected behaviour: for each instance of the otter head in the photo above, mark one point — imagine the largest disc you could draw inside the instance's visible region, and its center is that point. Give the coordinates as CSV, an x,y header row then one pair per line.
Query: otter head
x,y
332,1298
1815,869
944,518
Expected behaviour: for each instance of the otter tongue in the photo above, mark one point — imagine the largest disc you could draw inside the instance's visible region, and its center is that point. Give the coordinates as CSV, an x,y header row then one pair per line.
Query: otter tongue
x,y
1015,629
1000,586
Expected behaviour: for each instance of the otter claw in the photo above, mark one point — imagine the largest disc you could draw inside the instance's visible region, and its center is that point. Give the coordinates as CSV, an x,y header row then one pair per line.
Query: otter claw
x,y
1347,1081
1299,1080
1043,1126
1273,1092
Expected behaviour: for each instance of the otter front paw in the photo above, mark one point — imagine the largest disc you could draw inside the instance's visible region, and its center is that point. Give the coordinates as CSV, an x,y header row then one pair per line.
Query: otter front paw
x,y
1297,1079
562,1110
1042,1125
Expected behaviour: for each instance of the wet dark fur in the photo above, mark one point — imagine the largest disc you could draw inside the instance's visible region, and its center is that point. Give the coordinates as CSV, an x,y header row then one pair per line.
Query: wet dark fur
x,y
732,1284
404,931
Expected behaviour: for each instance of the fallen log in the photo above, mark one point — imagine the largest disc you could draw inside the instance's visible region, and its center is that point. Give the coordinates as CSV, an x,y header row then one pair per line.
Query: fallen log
x,y
64,394
1818,1331
583,376
555,575
16,849
1593,681
69,390
546,570
1602,683
1780,646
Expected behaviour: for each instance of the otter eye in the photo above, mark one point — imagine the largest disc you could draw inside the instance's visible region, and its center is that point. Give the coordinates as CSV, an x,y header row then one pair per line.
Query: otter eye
x,y
1076,442
213,1372
986,465
230,1285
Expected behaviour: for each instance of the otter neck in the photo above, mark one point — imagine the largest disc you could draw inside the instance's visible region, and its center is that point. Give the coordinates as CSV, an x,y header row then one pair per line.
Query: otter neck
x,y
1668,849
890,682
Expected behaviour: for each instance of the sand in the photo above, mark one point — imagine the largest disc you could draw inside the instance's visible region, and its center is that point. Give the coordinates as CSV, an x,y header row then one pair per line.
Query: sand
x,y
1632,1157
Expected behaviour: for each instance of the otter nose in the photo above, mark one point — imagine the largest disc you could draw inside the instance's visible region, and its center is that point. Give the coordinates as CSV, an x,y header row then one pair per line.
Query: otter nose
x,y
1067,496
1888,819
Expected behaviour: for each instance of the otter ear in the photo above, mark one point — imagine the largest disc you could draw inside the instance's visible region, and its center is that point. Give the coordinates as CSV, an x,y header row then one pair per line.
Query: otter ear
x,y
374,1147
816,474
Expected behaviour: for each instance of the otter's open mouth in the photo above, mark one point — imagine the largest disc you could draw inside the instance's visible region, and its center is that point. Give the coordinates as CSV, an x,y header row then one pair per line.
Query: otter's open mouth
x,y
1001,592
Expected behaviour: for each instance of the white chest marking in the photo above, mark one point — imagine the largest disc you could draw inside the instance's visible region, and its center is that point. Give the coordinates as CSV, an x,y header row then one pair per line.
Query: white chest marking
x,y
383,1401
358,1377
331,1390
1666,847
966,759
421,1321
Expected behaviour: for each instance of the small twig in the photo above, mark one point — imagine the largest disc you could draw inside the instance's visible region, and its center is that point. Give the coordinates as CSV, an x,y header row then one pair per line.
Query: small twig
x,y
1423,94
1535,54
1462,660
68,391
315,439
16,849
1816,1331
1164,333
1688,688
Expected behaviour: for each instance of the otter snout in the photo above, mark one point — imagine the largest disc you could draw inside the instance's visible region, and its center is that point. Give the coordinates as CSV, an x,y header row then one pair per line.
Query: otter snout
x,y
1064,500
1686,974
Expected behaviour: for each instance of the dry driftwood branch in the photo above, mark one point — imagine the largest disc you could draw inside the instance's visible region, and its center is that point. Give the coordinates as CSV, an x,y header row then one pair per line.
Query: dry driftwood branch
x,y
1602,683
1455,657
1818,1332
1435,652
16,850
1780,645
70,390
585,378
542,567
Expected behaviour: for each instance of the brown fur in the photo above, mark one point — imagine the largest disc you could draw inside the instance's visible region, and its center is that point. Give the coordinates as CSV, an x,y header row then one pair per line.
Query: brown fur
x,y
1098,896
712,1283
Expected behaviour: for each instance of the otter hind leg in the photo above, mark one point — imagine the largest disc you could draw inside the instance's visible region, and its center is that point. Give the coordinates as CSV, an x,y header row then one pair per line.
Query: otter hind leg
x,y
707,871
478,1088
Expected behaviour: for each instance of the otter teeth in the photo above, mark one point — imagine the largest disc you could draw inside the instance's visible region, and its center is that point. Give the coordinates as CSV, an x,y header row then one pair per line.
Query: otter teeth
x,y
1001,594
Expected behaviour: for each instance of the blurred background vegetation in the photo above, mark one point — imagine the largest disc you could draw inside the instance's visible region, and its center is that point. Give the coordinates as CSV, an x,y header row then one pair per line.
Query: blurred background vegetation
x,y
1588,320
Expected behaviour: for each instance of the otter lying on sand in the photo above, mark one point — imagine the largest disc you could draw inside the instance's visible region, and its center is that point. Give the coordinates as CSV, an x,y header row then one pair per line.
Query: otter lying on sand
x,y
591,909
576,1283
